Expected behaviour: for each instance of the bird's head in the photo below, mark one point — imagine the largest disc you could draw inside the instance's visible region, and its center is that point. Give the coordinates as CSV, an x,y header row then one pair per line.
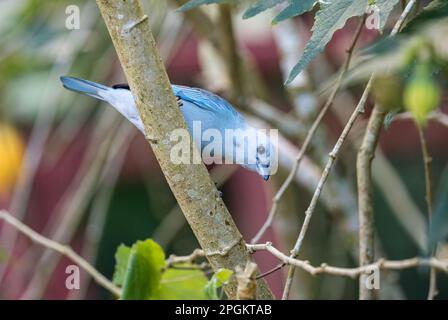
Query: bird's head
x,y
259,152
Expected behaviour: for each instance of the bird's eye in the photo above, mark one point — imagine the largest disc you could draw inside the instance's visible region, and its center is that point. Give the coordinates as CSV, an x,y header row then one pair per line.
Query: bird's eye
x,y
261,149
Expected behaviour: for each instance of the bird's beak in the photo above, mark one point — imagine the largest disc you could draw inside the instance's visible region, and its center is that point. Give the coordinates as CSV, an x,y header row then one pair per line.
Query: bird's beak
x,y
263,170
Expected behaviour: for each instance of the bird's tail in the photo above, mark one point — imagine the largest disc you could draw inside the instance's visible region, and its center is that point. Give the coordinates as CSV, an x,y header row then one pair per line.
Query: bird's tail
x,y
89,88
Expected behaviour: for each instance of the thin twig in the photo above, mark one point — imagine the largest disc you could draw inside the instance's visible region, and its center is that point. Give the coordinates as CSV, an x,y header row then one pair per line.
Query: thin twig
x,y
278,196
62,249
332,158
365,157
404,15
358,110
427,169
324,268
432,291
365,194
173,259
231,57
271,271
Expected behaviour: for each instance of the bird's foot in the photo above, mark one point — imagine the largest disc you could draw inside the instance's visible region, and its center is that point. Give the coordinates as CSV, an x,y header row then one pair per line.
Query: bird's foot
x,y
219,192
179,102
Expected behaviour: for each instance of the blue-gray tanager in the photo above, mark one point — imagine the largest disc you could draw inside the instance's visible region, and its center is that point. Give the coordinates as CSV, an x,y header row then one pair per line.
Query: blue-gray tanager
x,y
197,106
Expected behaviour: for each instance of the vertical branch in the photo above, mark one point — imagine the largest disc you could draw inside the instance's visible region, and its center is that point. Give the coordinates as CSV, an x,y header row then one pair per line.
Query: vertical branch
x,y
329,165
195,192
230,54
427,169
364,176
428,197
365,157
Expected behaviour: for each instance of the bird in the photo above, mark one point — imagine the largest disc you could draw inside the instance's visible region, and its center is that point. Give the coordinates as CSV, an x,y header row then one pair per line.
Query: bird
x,y
198,106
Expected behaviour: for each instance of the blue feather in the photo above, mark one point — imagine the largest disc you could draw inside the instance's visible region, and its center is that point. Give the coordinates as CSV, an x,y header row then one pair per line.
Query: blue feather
x,y
204,99
84,86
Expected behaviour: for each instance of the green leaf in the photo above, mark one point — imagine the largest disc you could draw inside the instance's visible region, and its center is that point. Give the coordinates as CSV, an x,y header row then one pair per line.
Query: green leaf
x,y
220,278
330,18
177,284
196,3
259,7
121,264
143,272
385,7
432,13
436,10
295,8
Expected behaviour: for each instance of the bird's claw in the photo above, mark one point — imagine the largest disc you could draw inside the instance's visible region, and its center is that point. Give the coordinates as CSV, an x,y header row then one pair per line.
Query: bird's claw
x,y
219,192
179,102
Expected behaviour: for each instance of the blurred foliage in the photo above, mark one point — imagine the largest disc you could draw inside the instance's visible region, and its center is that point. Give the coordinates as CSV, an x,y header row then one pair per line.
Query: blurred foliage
x,y
420,40
294,9
387,91
35,45
439,225
422,94
412,67
395,242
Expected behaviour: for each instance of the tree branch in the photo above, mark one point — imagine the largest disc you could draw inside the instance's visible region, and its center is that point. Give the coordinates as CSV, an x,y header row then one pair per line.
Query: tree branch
x,y
62,249
194,190
331,160
231,56
441,265
428,197
364,175
365,208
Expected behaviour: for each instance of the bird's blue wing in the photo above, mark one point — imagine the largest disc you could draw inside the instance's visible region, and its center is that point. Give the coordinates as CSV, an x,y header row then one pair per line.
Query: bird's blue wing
x,y
205,100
